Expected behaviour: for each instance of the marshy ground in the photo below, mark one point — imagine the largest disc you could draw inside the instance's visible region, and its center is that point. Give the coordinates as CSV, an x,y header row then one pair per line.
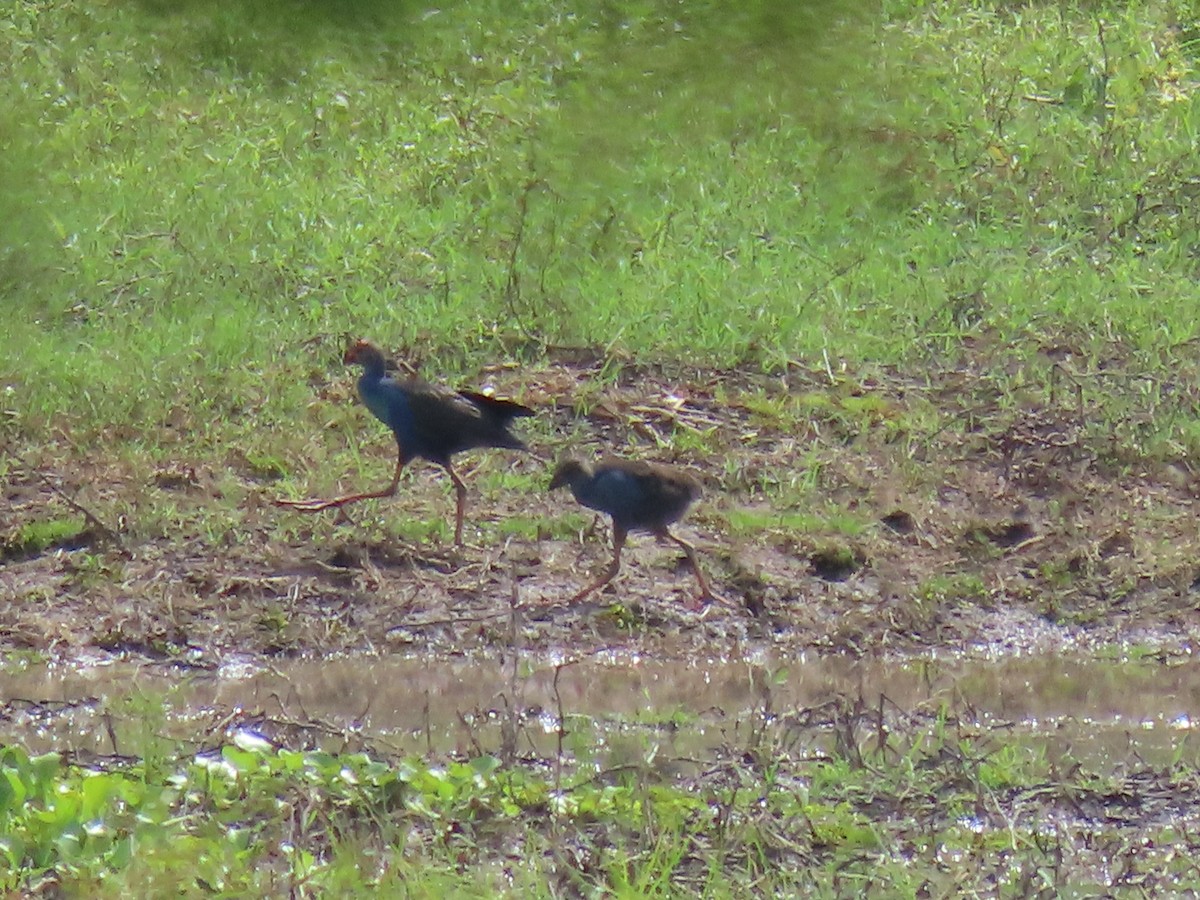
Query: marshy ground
x,y
840,516
957,655
912,289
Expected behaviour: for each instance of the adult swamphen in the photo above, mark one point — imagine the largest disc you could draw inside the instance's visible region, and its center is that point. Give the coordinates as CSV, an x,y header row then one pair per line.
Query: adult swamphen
x,y
429,421
640,496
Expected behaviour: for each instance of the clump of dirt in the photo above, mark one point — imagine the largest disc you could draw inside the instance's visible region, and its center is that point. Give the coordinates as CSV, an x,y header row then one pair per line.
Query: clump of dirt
x,y
836,563
899,521
833,520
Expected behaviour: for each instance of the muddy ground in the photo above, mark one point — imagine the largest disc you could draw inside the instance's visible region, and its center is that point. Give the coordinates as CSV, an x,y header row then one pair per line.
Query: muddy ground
x,y
974,509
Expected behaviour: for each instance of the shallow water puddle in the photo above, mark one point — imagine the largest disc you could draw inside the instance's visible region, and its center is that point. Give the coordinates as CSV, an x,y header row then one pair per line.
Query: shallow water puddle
x,y
1105,709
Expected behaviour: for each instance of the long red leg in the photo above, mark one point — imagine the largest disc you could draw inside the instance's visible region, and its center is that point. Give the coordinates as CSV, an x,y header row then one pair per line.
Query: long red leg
x,y
706,592
460,506
619,535
318,505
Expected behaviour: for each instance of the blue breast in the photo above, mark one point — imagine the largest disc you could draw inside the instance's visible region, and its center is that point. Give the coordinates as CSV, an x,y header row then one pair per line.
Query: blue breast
x,y
614,492
389,403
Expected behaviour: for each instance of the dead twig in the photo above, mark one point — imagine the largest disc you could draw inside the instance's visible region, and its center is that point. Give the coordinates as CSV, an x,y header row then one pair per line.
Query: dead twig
x,y
92,519
514,703
512,285
455,620
1057,371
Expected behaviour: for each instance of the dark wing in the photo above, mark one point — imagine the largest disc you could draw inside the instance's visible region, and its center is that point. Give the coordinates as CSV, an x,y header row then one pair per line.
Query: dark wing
x,y
507,409
646,495
445,422
672,489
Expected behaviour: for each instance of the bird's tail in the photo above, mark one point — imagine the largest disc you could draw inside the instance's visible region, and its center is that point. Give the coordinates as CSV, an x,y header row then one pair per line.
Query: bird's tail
x,y
499,409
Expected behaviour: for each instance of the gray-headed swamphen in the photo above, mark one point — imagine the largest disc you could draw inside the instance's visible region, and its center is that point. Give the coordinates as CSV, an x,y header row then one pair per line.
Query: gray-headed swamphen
x,y
640,496
429,421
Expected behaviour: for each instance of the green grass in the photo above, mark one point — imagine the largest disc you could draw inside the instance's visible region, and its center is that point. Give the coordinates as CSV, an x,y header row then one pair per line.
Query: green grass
x,y
747,521
825,799
34,537
201,201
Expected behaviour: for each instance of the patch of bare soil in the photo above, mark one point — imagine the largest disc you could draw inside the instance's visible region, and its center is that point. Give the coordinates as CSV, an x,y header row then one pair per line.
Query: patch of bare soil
x,y
891,516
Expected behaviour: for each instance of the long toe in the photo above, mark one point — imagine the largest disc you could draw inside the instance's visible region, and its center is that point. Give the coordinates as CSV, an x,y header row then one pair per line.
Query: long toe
x,y
587,592
711,596
302,505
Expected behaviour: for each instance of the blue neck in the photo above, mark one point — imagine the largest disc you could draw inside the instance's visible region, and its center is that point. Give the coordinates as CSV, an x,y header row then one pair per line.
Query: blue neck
x,y
373,369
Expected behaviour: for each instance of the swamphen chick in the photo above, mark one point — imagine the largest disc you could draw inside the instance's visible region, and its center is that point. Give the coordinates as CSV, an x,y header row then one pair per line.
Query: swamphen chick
x,y
429,421
640,496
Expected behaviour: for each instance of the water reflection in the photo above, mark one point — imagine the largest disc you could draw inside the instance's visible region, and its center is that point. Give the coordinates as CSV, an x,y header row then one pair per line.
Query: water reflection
x,y
1080,706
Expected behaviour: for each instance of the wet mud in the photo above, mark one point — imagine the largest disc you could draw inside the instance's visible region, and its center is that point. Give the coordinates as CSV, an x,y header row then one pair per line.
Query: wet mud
x,y
887,518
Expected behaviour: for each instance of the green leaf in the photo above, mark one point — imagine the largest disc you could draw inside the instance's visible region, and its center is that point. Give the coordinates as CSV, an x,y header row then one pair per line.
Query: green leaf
x,y
485,765
45,767
241,760
96,790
